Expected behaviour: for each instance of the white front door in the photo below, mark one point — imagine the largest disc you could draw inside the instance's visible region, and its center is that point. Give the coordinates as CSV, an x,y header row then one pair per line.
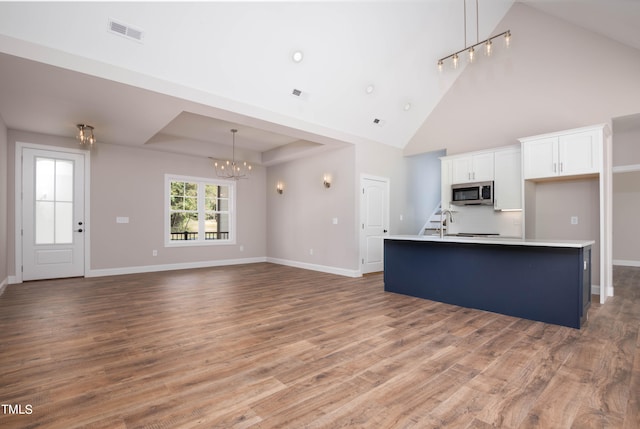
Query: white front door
x,y
52,214
374,219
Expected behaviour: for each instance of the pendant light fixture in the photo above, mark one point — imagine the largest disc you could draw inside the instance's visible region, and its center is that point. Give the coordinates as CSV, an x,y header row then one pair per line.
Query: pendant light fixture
x,y
231,169
85,135
488,43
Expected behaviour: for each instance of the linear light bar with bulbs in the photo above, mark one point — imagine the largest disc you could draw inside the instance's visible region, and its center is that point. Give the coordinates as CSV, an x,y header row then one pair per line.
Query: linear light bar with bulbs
x,y
488,46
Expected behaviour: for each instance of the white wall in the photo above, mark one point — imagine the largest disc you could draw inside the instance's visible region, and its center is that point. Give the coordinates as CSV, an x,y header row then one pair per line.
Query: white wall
x,y
129,182
485,219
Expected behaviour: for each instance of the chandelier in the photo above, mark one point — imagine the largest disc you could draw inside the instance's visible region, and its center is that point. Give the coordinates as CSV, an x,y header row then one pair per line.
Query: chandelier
x,y
85,134
231,169
471,51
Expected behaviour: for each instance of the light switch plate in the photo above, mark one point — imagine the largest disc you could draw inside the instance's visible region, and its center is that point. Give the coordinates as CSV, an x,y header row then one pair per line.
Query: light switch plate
x,y
122,219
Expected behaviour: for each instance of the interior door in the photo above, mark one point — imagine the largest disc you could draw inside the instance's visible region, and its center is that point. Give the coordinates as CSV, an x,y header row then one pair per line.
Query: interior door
x,y
52,214
374,213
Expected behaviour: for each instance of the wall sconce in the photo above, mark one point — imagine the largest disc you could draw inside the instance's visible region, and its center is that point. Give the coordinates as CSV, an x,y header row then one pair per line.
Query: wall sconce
x,y
326,181
279,187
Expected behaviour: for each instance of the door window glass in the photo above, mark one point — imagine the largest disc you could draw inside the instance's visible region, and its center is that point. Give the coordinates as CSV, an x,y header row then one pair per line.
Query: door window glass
x,y
53,201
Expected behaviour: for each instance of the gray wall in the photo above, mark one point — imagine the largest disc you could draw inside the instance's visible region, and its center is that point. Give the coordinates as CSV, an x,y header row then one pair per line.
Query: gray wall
x,y
4,273
386,161
556,202
130,182
300,226
555,76
626,215
626,193
626,140
423,187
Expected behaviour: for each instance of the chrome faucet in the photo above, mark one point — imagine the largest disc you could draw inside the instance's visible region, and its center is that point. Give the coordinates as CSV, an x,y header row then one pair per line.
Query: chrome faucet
x,y
443,218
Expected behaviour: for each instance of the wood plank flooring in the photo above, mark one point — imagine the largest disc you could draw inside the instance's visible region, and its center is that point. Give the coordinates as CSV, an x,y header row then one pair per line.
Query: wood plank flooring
x,y
268,346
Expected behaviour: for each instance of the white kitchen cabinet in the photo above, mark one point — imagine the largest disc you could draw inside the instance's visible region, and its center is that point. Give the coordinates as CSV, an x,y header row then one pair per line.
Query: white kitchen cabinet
x,y
507,190
472,168
579,153
563,154
572,154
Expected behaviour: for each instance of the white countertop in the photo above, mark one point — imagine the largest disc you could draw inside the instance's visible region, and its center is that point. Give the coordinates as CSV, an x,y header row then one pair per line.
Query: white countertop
x,y
494,240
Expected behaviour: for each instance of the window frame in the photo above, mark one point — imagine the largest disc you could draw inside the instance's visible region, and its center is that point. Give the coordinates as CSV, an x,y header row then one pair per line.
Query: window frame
x,y
201,182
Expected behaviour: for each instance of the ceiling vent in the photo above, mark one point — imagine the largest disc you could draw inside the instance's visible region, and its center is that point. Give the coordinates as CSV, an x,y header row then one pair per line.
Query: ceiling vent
x,y
125,30
296,92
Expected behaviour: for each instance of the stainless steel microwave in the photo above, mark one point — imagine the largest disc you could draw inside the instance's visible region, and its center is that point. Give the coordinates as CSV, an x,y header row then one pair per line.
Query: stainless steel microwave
x,y
472,194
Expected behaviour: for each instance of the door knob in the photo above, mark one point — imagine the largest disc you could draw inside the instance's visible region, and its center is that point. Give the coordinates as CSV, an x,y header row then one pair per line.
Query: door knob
x,y
79,230
384,230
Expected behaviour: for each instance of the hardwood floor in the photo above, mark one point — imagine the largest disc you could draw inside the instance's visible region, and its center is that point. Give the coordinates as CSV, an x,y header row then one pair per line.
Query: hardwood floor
x,y
268,346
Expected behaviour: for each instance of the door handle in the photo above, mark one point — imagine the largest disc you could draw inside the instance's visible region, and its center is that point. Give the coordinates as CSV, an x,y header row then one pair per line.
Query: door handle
x,y
79,230
385,231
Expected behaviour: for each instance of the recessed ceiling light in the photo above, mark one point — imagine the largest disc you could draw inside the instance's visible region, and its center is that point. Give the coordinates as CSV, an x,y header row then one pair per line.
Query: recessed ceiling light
x,y
407,106
297,56
369,89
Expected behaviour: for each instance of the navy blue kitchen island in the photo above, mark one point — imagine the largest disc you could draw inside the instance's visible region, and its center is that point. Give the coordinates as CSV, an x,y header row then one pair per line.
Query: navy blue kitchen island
x,y
533,279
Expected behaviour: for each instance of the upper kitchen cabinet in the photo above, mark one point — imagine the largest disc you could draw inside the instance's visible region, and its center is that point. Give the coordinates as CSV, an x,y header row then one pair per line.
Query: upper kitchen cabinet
x,y
501,165
567,153
507,188
472,168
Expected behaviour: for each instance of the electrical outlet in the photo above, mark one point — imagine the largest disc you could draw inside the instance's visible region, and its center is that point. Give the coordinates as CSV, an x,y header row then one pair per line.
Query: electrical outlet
x,y
574,220
310,251
154,252
241,248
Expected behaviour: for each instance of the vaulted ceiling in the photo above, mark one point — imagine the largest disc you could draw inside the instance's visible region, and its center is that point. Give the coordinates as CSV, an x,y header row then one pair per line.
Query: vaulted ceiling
x,y
192,71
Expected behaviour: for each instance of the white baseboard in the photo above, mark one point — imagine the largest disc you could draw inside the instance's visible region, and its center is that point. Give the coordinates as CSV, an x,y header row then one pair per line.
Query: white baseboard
x,y
595,290
170,267
314,267
626,263
205,264
3,285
